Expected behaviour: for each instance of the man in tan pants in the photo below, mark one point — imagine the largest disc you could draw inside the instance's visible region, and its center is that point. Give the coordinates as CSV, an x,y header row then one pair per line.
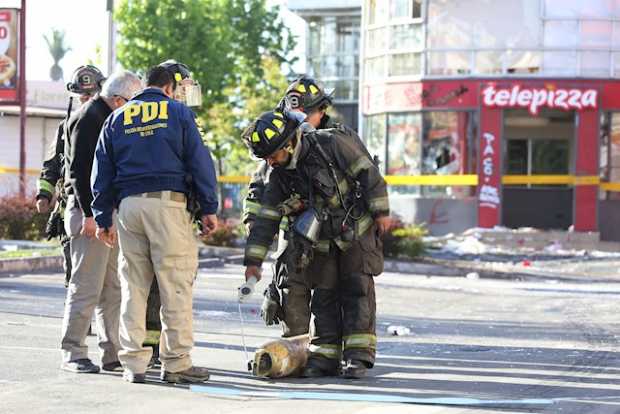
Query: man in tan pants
x,y
94,283
143,157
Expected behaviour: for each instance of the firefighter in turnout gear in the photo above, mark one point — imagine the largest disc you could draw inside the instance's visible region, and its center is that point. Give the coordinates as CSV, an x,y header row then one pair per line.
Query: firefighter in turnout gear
x,y
288,297
85,83
334,232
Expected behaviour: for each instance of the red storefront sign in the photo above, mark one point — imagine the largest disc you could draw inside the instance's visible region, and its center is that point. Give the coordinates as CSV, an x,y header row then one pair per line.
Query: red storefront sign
x,y
535,98
9,48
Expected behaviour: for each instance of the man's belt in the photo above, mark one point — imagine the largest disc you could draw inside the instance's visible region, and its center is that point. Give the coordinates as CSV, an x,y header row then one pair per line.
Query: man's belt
x,y
163,195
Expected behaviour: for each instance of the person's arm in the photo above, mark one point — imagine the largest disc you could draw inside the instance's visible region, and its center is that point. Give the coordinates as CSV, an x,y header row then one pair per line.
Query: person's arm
x,y
256,189
102,180
266,225
199,164
352,159
50,173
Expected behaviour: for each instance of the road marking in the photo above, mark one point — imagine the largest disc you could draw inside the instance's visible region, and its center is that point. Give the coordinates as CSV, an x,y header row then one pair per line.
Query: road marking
x,y
385,398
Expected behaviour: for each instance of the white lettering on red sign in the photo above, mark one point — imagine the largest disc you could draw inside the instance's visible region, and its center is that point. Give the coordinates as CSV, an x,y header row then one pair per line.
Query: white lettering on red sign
x,y
489,194
534,99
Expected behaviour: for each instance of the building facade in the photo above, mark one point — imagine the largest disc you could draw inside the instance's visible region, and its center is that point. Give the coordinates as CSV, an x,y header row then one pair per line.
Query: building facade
x,y
332,49
495,113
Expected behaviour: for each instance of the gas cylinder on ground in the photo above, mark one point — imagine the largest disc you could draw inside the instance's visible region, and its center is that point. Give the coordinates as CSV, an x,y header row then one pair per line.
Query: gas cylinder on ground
x,y
282,357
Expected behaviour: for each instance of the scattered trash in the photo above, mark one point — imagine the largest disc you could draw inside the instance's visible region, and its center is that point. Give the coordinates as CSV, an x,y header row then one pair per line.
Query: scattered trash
x,y
397,330
473,276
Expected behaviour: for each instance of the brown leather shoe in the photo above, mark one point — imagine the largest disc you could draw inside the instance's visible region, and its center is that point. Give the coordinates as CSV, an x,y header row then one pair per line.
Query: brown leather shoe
x,y
189,376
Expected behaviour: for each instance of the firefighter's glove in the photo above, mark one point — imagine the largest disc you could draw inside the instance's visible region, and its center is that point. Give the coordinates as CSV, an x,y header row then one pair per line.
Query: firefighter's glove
x,y
292,205
271,310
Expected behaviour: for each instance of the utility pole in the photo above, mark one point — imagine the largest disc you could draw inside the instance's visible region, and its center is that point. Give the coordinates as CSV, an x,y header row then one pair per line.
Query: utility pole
x,y
111,37
22,100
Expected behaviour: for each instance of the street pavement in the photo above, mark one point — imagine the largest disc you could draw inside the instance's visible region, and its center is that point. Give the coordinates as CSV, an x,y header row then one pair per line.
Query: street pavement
x,y
552,340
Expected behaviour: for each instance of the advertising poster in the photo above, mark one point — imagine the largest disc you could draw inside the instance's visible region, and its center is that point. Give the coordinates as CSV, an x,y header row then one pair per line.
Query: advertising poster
x,y
8,55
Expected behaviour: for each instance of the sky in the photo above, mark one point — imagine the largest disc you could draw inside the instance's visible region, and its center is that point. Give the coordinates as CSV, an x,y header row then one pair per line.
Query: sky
x,y
85,24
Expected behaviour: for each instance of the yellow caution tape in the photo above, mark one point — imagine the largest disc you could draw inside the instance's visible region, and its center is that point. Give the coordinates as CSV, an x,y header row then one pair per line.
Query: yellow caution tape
x,y
434,180
439,180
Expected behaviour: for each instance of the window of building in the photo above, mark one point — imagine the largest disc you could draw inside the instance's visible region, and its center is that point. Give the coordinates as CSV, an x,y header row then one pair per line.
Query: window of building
x,y
449,63
405,9
374,137
483,24
616,63
595,34
595,63
375,67
404,144
406,36
612,161
375,40
579,8
377,11
404,64
560,63
561,34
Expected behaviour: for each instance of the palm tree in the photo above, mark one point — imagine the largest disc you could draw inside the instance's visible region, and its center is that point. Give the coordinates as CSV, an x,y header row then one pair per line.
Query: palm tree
x,y
58,50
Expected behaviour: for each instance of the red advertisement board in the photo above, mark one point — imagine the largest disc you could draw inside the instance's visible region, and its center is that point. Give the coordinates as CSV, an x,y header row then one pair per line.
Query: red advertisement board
x,y
9,47
489,168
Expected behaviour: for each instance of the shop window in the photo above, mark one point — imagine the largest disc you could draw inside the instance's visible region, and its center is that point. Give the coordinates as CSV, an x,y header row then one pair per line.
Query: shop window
x,y
613,173
442,145
560,63
404,132
595,34
403,64
374,137
449,63
406,36
595,64
561,34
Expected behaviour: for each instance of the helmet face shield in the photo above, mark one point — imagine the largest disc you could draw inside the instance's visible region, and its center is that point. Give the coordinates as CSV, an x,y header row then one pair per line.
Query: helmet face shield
x,y
189,92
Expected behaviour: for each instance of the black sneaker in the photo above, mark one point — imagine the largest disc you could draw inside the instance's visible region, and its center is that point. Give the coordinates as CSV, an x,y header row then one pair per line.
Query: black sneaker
x,y
354,369
112,366
189,376
80,366
134,378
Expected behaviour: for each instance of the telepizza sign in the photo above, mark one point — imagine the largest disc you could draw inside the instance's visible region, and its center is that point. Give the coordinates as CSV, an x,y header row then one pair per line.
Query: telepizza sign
x,y
531,98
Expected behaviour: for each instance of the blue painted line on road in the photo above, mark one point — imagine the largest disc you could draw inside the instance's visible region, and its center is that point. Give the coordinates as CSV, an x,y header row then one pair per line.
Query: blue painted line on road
x,y
363,397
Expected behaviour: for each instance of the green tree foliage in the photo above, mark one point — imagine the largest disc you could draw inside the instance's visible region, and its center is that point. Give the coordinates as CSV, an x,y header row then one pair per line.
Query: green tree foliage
x,y
234,48
222,41
226,120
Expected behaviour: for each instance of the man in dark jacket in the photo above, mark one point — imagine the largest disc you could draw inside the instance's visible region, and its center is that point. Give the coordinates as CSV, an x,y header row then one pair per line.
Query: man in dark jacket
x,y
334,235
85,83
94,284
144,154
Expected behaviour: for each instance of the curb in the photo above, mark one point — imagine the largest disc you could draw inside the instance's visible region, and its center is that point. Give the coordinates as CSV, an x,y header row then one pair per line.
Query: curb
x,y
213,257
30,264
